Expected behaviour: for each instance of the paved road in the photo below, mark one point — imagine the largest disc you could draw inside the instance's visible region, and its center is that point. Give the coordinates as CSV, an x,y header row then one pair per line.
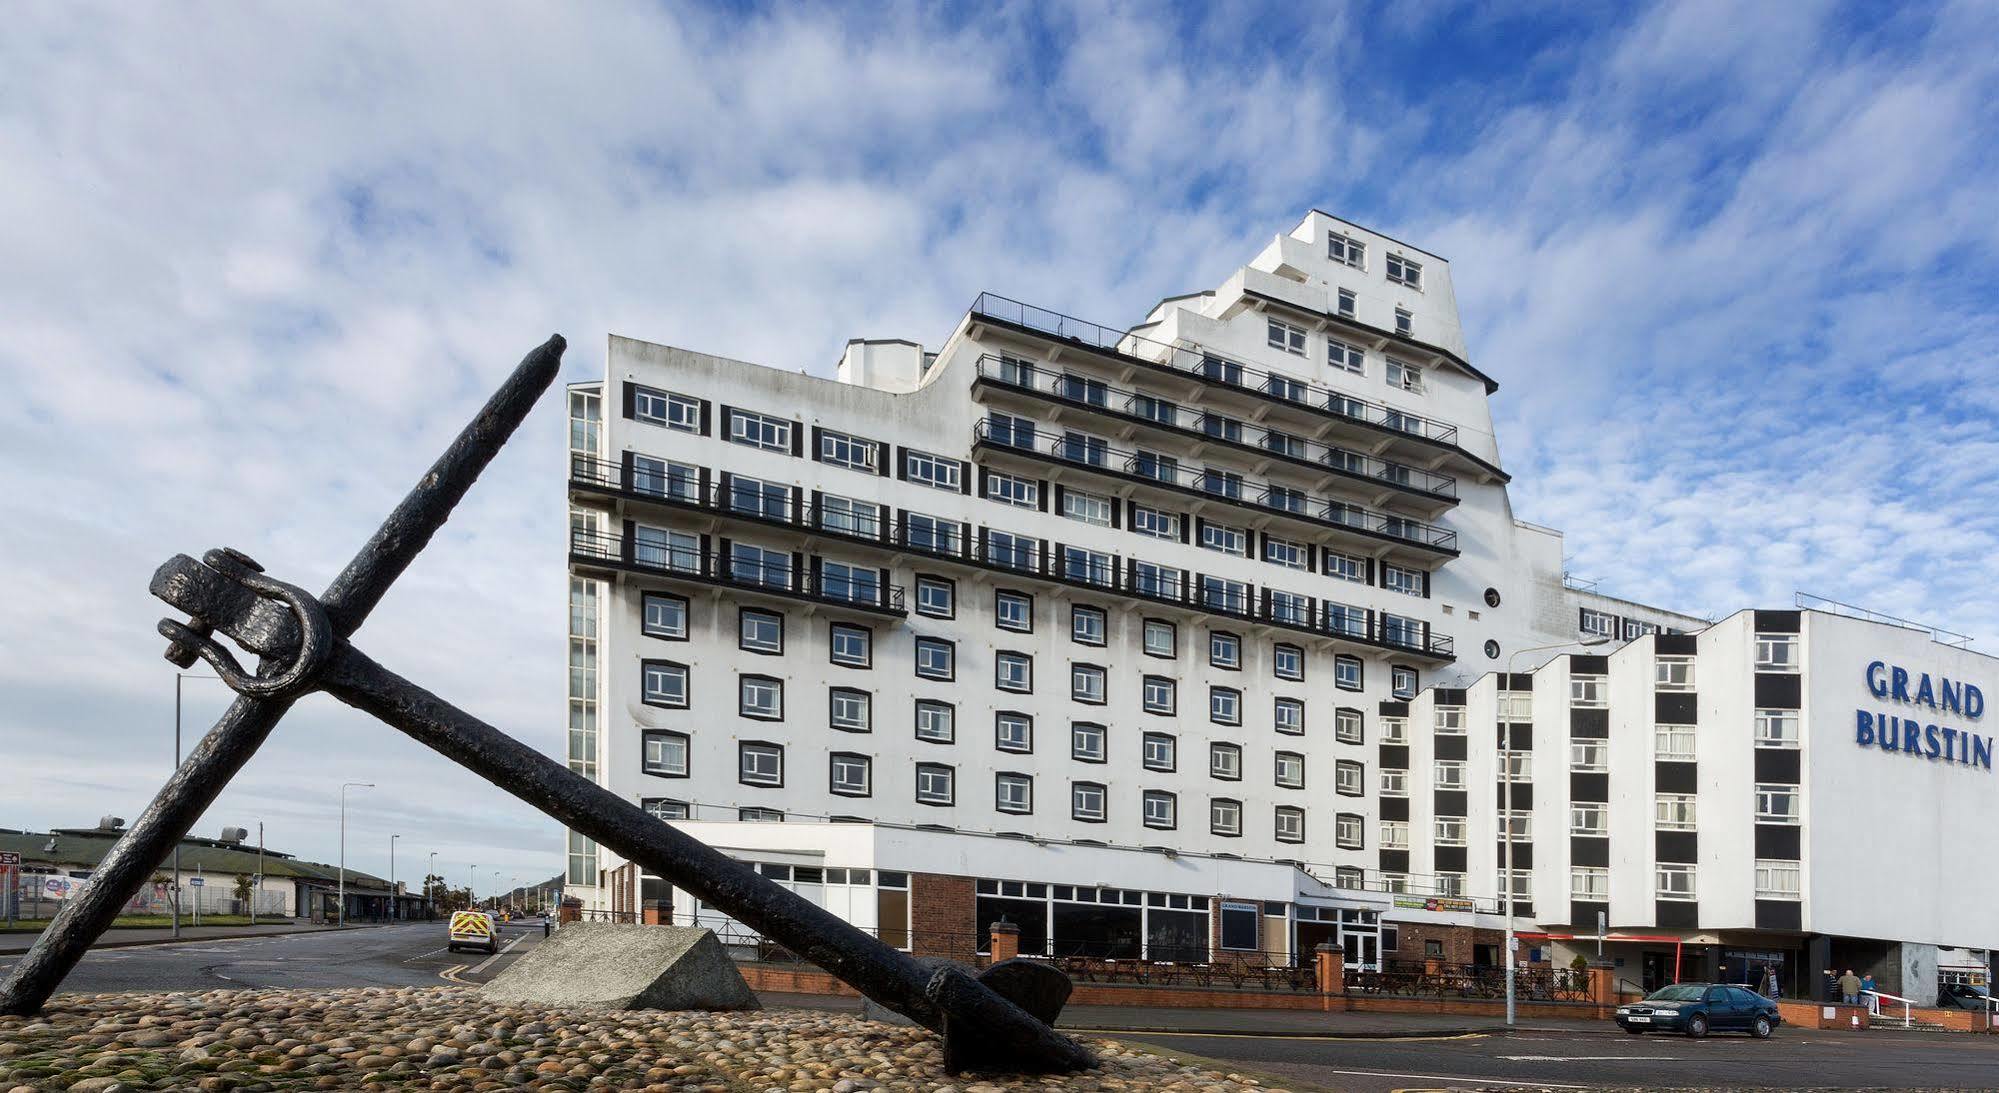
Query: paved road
x,y
379,956
1794,1058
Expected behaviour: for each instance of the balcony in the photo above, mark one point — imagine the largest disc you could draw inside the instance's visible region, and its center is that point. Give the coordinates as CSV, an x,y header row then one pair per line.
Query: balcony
x,y
1202,365
1165,472
1429,487
1300,614
858,590
728,497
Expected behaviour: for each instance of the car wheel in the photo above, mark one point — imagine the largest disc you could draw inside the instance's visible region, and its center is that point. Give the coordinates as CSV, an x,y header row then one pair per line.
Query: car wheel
x,y
1762,1028
1697,1026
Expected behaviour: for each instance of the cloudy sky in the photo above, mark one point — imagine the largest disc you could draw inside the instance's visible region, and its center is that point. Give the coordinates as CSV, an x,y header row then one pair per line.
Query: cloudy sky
x,y
1733,266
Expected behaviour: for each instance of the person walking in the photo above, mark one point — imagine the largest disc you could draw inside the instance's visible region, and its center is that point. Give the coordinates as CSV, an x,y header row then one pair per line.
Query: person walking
x,y
1849,988
1868,996
1770,982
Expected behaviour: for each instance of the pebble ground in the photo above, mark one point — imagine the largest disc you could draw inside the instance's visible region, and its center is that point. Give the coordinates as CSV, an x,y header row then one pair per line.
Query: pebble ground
x,y
449,1038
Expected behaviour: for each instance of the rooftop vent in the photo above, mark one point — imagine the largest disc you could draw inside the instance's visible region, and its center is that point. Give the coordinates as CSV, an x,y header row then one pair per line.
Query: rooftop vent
x,y
234,834
110,823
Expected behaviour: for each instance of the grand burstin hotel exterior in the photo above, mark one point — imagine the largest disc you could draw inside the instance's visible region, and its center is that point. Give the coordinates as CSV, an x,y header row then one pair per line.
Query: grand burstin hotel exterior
x,y
1217,635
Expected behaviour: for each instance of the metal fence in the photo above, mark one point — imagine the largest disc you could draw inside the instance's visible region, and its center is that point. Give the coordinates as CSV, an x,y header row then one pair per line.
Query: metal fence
x,y
37,897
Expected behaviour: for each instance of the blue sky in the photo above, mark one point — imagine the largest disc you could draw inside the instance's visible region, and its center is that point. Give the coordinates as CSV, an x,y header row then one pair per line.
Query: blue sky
x,y
1733,266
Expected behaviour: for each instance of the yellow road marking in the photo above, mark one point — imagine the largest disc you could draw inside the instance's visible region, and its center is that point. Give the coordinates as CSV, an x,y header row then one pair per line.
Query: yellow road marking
x,y
451,975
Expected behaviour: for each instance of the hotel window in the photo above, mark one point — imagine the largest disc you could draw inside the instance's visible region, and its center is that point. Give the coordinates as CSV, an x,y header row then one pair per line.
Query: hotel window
x,y
1450,831
851,452
1402,271
1600,624
1155,465
1282,335
1013,611
1589,756
1091,567
760,431
1283,444
1086,684
1517,765
1674,673
1674,811
850,646
665,808
1349,778
1153,408
1225,817
1287,661
1156,523
1346,672
1348,358
1450,720
1589,883
1776,728
1160,751
936,721
1346,250
1087,507
1394,783
1347,302
1160,809
1520,881
1161,639
1516,826
752,564
933,470
1221,428
850,774
1449,774
1589,818
665,617
663,408
1019,492
759,631
1394,730
1404,323
1290,608
1288,389
1398,883
1352,877
1013,732
1086,742
1289,824
936,658
924,532
849,710
1087,624
1346,831
663,478
1451,885
1516,707
1225,705
1289,716
1286,499
1347,728
1218,594
1676,882
1405,377
1289,770
851,517
664,683
1395,834
936,784
1013,793
1777,879
1157,581
1589,692
754,496
1224,650
1016,372
1345,567
1402,682
1013,672
761,697
1225,762
1226,539
1673,742
760,764
1394,578
1086,802
1157,695
1084,389
665,753
1776,803
1285,552
1091,451
1776,652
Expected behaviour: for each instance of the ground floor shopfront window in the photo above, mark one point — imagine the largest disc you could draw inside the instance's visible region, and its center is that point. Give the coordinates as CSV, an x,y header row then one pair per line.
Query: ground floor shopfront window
x,y
1107,923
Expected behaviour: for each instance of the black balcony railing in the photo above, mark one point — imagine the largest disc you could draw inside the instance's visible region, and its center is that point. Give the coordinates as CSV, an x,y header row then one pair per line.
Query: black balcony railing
x,y
1205,364
748,499
1209,427
826,582
1094,454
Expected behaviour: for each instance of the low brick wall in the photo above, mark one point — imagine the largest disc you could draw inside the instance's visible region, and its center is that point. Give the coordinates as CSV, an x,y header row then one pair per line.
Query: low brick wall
x,y
793,980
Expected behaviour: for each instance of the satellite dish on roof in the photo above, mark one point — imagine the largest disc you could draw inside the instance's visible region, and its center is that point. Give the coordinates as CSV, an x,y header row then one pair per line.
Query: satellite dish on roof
x,y
235,834
110,823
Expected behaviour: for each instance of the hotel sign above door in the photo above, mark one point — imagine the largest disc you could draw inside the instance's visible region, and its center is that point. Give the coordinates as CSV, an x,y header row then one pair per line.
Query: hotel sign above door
x,y
1913,736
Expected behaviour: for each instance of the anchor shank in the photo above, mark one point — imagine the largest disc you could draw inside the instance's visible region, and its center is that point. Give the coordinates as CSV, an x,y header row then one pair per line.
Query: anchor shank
x,y
888,976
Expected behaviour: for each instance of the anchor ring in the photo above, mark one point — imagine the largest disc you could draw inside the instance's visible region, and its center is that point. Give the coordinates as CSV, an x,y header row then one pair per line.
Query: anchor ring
x,y
315,633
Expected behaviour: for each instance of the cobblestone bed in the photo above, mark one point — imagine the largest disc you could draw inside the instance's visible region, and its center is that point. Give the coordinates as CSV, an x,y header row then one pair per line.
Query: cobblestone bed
x,y
449,1038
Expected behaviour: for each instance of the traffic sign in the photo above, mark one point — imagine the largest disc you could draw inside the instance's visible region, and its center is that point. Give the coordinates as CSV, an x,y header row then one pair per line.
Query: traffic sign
x,y
196,881
9,858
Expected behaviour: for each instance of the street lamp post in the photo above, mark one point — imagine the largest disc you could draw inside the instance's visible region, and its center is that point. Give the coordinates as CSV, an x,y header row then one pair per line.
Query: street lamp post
x,y
344,787
496,889
429,871
1506,800
393,908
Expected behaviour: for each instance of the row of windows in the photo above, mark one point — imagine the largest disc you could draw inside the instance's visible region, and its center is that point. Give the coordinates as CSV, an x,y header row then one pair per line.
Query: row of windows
x,y
1775,879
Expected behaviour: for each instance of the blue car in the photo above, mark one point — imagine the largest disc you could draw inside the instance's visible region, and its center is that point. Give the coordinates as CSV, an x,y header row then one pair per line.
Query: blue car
x,y
1696,1009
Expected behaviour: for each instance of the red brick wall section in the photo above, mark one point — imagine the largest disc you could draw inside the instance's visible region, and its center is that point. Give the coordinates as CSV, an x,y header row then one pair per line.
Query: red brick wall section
x,y
1457,941
943,916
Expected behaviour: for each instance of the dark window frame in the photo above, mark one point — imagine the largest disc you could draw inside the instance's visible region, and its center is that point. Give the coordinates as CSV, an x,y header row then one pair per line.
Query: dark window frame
x,y
1103,740
834,692
1228,636
1215,691
1172,799
1000,656
916,720
1172,628
1103,617
686,675
1145,762
868,634
742,711
917,789
1360,670
686,616
1000,595
867,763
1103,677
744,615
1277,650
743,748
686,742
933,581
1172,695
1104,794
950,648
998,745
999,777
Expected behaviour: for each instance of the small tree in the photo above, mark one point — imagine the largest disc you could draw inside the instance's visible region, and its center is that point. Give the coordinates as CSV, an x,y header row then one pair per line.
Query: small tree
x,y
244,886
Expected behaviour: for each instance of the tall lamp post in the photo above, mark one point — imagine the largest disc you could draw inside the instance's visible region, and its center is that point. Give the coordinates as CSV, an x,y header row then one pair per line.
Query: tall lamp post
x,y
429,871
344,787
393,908
1506,797
174,905
496,889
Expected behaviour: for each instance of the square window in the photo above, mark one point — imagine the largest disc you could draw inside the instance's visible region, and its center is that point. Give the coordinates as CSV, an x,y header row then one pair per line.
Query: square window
x,y
936,784
851,646
1290,770
1346,250
1225,705
1394,783
1161,639
665,753
1394,730
1344,567
1225,817
1013,793
1013,611
1403,271
1449,774
851,452
1776,728
1086,742
664,808
1776,803
1347,303
760,764
1776,652
1347,831
1289,716
1675,811
851,775
1349,776
1160,751
1086,801
1008,490
1347,726
1673,743
762,698
1287,661
1086,684
1225,762
1090,508
1347,672
936,658
1158,695
850,710
936,721
1289,825
936,597
664,683
1161,809
1087,625
1013,732
1282,335
1224,650
1013,672
932,470
1155,523
1402,681
664,616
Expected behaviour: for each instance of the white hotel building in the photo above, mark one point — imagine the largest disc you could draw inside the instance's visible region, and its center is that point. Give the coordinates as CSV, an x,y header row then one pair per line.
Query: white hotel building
x,y
1193,636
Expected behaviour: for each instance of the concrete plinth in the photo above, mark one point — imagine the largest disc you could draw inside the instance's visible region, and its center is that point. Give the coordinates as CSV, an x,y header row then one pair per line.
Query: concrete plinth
x,y
618,966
